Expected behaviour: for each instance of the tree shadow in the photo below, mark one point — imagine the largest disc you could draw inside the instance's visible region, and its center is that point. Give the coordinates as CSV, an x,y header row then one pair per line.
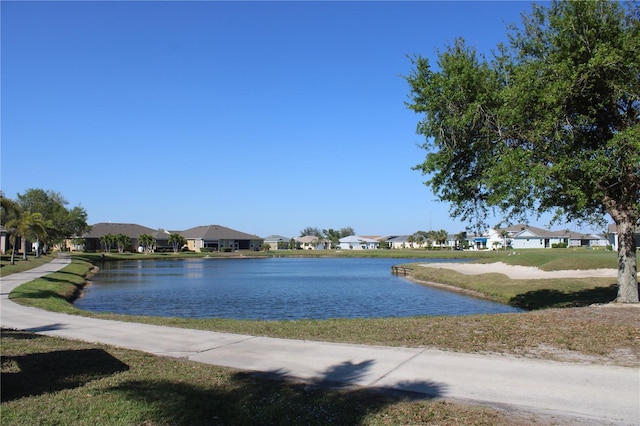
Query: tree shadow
x,y
271,397
547,298
40,373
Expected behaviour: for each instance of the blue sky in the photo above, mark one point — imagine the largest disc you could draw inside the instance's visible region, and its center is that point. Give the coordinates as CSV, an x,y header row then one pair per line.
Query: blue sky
x,y
266,117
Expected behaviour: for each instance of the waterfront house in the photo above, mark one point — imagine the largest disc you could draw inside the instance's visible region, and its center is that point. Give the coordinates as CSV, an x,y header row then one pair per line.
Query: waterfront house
x,y
220,238
354,242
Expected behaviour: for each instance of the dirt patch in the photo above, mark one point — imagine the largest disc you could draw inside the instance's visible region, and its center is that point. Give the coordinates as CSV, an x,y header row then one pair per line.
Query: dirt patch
x,y
613,316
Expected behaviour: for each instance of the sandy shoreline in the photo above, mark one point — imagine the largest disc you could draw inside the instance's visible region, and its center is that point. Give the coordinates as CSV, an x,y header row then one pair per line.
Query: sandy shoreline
x,y
521,272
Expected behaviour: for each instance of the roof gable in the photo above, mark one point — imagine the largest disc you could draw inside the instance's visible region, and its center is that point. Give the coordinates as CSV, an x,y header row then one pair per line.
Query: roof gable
x,y
131,230
357,239
217,232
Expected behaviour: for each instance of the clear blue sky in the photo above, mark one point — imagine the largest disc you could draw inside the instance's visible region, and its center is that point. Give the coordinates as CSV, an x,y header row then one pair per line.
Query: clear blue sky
x,y
265,117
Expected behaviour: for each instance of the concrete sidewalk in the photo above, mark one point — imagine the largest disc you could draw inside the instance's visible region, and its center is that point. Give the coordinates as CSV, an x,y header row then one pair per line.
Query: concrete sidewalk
x,y
593,394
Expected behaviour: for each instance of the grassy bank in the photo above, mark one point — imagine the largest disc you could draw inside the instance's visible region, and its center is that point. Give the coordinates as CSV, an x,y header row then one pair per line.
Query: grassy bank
x,y
526,294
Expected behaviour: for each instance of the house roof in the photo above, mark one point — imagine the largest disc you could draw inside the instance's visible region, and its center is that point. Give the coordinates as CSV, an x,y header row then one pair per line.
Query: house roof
x,y
372,237
276,238
398,239
613,229
131,230
216,232
309,239
357,239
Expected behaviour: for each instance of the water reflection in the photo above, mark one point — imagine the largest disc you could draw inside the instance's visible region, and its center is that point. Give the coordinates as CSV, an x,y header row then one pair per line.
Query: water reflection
x,y
271,289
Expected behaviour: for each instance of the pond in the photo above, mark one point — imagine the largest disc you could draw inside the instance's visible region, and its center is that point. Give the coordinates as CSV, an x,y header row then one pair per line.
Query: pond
x,y
271,289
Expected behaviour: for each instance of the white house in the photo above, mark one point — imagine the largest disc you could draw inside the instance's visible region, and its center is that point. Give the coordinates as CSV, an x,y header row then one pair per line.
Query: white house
x,y
491,239
524,236
312,242
398,242
612,236
353,242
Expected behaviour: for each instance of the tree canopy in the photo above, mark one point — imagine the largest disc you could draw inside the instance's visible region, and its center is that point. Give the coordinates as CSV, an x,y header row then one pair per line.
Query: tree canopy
x,y
551,123
60,222
42,216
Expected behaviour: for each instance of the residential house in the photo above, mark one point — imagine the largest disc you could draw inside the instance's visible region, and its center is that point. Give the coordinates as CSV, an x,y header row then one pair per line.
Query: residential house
x,y
523,236
354,242
277,242
220,238
91,240
406,242
578,239
612,236
5,246
312,242
398,242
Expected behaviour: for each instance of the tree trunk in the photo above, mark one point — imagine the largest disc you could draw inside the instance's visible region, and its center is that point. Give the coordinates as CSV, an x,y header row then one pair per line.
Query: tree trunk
x,y
627,262
23,243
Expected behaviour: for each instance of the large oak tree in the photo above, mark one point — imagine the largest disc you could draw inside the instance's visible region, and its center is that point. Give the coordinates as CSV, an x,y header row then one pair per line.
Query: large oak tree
x,y
551,123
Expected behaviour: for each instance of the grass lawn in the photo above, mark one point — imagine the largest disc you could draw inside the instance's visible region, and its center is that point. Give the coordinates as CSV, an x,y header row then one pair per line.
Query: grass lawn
x,y
55,381
21,265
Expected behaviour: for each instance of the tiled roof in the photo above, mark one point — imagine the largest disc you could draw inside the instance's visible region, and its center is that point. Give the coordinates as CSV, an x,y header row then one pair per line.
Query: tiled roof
x,y
216,232
131,230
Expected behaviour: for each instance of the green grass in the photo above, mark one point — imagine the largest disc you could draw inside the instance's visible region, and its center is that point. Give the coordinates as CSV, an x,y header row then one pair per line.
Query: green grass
x,y
562,259
6,268
56,291
525,294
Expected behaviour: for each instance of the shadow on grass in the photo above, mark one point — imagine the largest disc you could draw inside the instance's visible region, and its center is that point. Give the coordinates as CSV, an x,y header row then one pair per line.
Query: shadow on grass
x,y
546,298
270,398
40,373
207,396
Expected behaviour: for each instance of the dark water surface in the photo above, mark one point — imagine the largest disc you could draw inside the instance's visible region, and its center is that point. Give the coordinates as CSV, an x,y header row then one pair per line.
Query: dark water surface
x,y
271,289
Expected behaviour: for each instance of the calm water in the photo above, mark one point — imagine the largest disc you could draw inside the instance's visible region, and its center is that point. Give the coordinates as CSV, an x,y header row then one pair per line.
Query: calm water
x,y
270,289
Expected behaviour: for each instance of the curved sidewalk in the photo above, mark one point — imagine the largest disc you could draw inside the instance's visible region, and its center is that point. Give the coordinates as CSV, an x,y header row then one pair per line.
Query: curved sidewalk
x,y
594,394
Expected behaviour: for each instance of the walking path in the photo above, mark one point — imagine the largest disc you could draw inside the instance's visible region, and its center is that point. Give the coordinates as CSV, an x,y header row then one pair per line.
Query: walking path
x,y
592,394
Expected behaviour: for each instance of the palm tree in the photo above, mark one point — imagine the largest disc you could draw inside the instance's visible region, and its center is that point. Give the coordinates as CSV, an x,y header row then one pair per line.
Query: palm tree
x,y
441,237
410,240
28,225
177,241
504,234
461,238
9,211
122,242
148,242
106,241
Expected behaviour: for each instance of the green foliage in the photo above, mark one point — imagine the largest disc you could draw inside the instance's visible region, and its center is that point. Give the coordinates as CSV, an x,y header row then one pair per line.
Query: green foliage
x,y
123,242
550,125
61,223
107,241
148,243
177,241
310,231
